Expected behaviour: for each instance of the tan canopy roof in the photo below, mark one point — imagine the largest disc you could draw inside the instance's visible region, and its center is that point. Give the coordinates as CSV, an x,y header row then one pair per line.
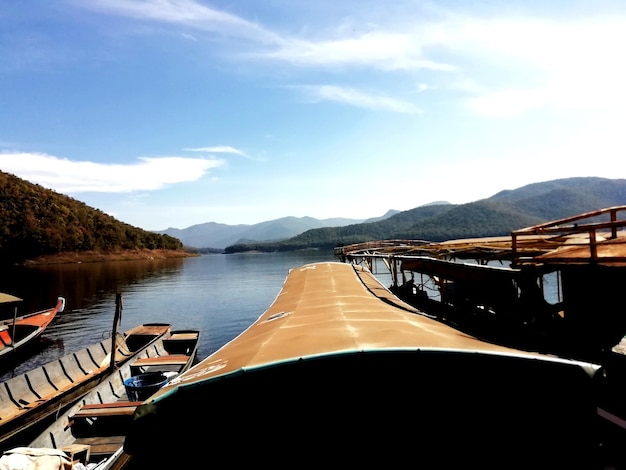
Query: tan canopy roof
x,y
8,298
328,308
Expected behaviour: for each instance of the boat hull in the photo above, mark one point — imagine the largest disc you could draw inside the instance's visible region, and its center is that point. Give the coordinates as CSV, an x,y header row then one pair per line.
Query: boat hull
x,y
386,408
339,370
109,406
19,336
30,401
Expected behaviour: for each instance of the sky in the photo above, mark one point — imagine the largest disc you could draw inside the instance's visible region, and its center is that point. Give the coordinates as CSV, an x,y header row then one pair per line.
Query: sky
x,y
173,113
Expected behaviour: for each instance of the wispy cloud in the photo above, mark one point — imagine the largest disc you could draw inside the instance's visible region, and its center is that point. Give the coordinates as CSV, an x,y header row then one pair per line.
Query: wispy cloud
x,y
68,176
218,149
381,50
356,98
378,48
186,13
517,60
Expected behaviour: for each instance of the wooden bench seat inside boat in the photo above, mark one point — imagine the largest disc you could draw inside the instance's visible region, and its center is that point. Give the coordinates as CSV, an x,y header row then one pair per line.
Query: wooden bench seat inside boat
x,y
170,359
102,420
141,335
181,342
77,453
183,336
120,408
99,446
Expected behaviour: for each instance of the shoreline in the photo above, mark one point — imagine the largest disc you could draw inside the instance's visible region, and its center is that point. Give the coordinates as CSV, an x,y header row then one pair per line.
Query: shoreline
x,y
99,256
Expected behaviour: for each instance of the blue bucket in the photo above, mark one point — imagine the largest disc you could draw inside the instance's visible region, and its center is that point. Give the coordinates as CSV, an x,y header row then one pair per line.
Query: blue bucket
x,y
143,386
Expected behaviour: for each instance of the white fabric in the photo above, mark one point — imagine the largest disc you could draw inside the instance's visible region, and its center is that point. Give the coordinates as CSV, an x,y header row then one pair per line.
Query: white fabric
x,y
26,458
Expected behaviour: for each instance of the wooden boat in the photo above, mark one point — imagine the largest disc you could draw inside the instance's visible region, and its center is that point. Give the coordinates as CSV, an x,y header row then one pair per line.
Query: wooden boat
x,y
340,371
20,333
552,287
92,430
30,401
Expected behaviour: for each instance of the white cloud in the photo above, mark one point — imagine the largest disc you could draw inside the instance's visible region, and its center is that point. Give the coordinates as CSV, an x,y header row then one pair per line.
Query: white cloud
x,y
382,50
509,103
357,98
527,63
391,49
67,176
185,13
568,61
218,149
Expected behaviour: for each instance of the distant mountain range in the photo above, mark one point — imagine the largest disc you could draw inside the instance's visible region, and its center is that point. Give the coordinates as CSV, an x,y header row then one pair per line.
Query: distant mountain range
x,y
39,222
219,236
497,215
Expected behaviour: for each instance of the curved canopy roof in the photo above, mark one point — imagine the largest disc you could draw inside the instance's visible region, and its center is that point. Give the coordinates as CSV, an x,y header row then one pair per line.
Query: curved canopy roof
x,y
8,298
334,308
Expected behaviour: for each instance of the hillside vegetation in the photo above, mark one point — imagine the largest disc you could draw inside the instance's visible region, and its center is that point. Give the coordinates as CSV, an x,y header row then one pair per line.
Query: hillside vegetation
x,y
38,222
495,216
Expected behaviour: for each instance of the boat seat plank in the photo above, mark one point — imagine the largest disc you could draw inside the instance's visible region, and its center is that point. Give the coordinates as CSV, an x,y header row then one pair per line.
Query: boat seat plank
x,y
102,445
77,452
149,329
120,408
183,337
169,359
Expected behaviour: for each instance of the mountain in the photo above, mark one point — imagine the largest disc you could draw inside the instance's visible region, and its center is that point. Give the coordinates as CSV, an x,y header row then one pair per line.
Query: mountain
x,y
495,216
39,222
219,236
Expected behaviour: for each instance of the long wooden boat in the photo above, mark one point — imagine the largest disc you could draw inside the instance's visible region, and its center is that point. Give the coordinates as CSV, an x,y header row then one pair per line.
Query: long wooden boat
x,y
339,370
30,401
20,332
553,287
92,430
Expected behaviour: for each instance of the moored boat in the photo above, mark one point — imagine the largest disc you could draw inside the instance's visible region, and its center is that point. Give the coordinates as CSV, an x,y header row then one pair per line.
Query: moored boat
x,y
30,401
552,287
92,430
19,333
338,369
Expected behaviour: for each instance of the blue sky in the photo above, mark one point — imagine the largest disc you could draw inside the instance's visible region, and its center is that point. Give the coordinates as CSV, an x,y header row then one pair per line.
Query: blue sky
x,y
171,113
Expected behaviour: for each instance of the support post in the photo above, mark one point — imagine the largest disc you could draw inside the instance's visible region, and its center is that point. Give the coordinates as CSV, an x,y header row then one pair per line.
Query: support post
x,y
116,320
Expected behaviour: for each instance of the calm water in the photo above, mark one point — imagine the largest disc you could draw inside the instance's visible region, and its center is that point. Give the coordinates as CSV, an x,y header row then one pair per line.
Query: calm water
x,y
220,295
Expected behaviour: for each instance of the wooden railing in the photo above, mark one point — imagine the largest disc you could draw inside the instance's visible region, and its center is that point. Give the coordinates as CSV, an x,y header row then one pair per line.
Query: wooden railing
x,y
558,230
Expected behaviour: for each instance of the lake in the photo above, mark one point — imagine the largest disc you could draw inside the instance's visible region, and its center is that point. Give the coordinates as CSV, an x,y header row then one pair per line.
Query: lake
x,y
220,295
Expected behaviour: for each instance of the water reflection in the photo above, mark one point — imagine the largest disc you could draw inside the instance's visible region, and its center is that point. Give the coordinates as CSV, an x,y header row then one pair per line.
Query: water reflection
x,y
87,282
220,295
89,289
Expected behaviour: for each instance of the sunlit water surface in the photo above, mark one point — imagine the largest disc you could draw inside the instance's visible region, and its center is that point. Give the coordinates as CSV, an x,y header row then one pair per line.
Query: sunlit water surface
x,y
220,295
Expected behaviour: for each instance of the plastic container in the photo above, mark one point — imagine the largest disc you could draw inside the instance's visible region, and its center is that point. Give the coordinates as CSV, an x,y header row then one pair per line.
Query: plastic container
x,y
143,386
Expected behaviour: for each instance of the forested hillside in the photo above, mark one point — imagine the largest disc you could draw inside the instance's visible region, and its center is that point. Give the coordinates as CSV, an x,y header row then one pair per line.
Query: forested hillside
x,y
495,216
37,221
